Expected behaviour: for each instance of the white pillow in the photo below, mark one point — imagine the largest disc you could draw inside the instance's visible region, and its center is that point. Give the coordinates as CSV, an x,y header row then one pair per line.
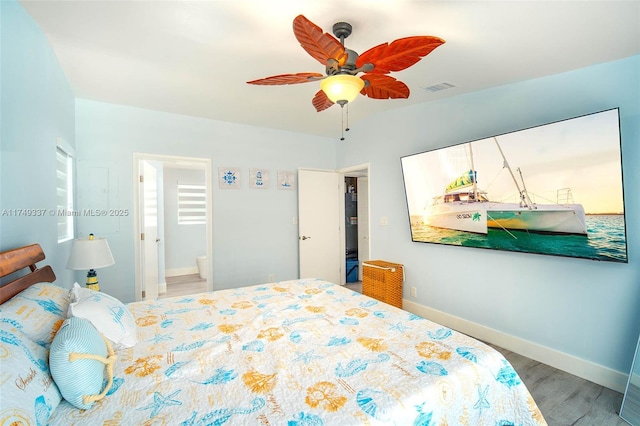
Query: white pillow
x,y
110,316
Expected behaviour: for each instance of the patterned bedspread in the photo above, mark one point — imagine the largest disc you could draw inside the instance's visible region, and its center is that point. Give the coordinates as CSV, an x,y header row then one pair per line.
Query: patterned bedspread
x,y
302,352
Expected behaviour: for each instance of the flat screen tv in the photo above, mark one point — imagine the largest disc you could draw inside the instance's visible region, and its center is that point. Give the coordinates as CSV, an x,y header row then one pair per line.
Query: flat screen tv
x,y
554,189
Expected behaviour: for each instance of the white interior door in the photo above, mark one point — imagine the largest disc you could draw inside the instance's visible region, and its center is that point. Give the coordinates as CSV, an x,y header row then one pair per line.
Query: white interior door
x,y
319,225
149,238
363,223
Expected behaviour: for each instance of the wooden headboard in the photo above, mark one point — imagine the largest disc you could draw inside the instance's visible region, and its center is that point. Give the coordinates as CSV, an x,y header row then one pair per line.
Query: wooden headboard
x,y
17,259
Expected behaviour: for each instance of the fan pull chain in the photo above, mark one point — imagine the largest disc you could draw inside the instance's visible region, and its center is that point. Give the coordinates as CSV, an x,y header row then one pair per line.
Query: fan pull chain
x,y
343,128
342,122
347,128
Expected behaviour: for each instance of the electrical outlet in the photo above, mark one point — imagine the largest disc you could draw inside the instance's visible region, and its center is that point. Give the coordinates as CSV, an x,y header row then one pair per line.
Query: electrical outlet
x,y
295,220
272,278
414,292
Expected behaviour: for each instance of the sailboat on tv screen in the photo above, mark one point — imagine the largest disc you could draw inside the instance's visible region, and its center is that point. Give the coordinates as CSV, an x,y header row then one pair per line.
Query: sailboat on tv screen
x,y
464,207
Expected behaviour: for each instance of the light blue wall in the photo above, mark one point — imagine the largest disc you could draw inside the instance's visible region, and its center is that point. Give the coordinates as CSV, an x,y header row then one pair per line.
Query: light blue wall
x,y
37,108
585,308
253,230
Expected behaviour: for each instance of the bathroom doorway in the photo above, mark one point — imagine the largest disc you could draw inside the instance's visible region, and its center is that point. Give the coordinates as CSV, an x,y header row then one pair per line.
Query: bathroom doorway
x,y
178,201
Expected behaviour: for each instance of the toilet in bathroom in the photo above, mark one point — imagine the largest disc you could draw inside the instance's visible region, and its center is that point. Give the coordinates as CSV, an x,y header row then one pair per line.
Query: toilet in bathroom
x,y
202,266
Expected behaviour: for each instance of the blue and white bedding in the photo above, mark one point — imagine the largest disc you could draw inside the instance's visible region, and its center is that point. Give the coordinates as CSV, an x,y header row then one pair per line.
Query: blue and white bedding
x,y
302,352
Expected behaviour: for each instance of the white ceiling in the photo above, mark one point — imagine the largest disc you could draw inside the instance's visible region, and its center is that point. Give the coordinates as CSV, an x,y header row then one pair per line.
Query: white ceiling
x,y
195,57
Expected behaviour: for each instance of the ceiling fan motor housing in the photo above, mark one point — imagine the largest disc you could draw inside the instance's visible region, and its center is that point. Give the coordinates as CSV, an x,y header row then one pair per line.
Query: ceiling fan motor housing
x,y
343,30
349,67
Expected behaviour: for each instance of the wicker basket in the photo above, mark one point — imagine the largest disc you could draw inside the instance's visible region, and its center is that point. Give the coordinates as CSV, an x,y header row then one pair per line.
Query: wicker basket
x,y
382,280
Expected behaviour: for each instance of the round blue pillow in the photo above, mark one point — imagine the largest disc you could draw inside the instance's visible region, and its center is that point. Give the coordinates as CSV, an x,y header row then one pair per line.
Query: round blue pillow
x,y
77,360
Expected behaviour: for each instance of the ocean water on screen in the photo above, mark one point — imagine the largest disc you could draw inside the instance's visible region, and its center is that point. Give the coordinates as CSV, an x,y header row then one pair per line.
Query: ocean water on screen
x,y
605,241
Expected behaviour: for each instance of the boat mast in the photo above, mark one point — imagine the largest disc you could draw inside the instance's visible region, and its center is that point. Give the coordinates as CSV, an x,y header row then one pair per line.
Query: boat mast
x,y
525,201
473,175
524,187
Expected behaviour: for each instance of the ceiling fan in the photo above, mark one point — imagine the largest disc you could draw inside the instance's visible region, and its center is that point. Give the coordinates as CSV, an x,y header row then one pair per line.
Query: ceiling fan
x,y
341,84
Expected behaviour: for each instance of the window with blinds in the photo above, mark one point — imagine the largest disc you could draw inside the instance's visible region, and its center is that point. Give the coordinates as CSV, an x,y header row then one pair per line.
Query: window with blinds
x,y
64,194
192,204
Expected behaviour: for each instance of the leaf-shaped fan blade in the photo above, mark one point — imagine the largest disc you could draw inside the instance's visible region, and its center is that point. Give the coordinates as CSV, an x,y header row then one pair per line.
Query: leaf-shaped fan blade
x,y
301,77
321,101
318,44
400,54
383,86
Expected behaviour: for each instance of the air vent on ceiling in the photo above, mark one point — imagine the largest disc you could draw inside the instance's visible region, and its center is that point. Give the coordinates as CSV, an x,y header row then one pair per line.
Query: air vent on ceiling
x,y
438,87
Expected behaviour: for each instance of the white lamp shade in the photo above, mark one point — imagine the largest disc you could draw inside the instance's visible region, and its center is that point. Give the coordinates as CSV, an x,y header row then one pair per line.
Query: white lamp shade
x,y
342,87
90,254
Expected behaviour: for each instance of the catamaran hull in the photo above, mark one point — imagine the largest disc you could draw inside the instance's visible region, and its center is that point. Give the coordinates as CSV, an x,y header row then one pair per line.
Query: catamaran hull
x,y
468,217
547,219
479,217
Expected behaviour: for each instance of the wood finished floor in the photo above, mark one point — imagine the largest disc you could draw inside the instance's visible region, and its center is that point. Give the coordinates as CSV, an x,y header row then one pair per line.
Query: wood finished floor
x,y
564,399
183,285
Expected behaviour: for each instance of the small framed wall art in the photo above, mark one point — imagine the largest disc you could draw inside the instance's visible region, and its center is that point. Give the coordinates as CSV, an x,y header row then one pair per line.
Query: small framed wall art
x,y
259,178
286,180
229,177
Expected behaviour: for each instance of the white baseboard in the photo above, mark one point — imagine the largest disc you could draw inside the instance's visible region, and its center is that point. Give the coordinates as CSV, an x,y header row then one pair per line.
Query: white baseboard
x,y
162,288
180,271
587,370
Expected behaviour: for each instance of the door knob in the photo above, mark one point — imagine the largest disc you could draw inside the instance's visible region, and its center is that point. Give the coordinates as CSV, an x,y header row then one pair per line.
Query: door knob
x,y
304,237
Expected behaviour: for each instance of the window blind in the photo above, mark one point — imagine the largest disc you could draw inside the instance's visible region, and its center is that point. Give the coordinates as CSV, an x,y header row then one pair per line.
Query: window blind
x,y
64,194
192,204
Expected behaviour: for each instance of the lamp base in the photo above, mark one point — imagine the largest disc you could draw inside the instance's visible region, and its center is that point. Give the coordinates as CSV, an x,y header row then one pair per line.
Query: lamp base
x,y
92,281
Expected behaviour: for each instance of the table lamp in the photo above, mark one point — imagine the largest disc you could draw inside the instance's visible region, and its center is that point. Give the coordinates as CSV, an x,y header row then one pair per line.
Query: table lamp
x,y
91,253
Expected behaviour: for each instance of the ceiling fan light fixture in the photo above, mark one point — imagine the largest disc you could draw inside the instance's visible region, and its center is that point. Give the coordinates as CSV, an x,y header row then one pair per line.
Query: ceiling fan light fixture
x,y
342,88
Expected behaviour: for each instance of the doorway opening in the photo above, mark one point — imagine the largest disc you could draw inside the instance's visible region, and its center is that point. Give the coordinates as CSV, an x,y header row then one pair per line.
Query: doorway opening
x,y
173,226
321,218
351,229
356,220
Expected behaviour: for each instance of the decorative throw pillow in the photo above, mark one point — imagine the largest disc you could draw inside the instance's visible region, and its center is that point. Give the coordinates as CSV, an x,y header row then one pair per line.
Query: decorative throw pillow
x,y
37,311
29,394
110,316
80,358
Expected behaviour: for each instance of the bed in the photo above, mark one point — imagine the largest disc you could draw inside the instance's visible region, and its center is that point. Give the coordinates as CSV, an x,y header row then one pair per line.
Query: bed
x,y
299,352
